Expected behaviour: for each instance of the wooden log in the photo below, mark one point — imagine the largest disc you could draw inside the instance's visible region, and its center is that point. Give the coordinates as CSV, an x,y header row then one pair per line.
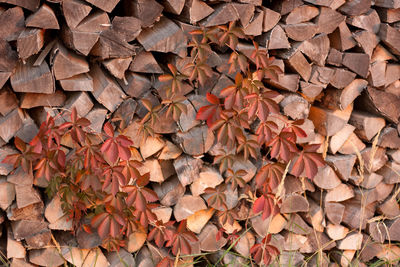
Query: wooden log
x,y
336,231
165,36
389,138
145,62
31,100
288,82
301,32
329,122
301,14
208,177
127,27
106,5
246,13
148,11
295,106
12,23
286,6
170,191
112,45
342,164
328,20
8,100
80,82
294,203
341,38
117,66
310,91
340,193
369,21
355,7
106,91
188,205
173,6
300,64
316,49
367,126
377,73
8,61
222,14
75,11
81,101
10,124
137,85
326,178
357,62
196,141
67,64
374,159
342,78
43,18
255,26
388,3
97,117
334,212
86,34
31,5
381,103
390,37
388,15
352,145
30,42
367,40
46,255
195,10
31,79
338,139
277,38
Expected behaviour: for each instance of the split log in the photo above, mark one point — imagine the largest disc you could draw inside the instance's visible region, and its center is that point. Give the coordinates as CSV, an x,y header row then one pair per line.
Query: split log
x,y
30,42
67,64
338,139
80,82
389,138
127,27
301,31
146,63
148,11
341,77
367,40
31,100
381,103
336,231
208,178
112,45
10,124
300,64
328,20
106,5
352,145
165,36
170,191
12,23
301,14
294,203
195,10
334,212
369,21
357,62
388,15
196,141
342,164
31,79
342,39
188,205
87,33
117,66
46,256
391,37
75,11
316,49
329,122
81,101
43,18
8,100
277,38
355,7
105,89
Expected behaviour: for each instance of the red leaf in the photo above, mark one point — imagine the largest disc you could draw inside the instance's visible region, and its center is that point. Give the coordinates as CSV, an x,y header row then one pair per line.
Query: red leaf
x,y
108,129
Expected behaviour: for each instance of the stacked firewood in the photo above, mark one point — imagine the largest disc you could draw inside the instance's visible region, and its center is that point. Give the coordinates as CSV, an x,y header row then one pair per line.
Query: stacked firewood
x,y
342,76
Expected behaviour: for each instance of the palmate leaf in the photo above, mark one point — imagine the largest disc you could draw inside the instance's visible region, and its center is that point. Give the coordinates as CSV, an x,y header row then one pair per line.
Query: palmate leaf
x,y
108,223
161,232
262,104
166,262
309,161
210,113
181,239
283,146
266,205
264,252
115,147
269,177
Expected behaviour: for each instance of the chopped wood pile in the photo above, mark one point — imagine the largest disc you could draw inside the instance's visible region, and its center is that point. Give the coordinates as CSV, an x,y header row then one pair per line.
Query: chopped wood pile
x,y
103,57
